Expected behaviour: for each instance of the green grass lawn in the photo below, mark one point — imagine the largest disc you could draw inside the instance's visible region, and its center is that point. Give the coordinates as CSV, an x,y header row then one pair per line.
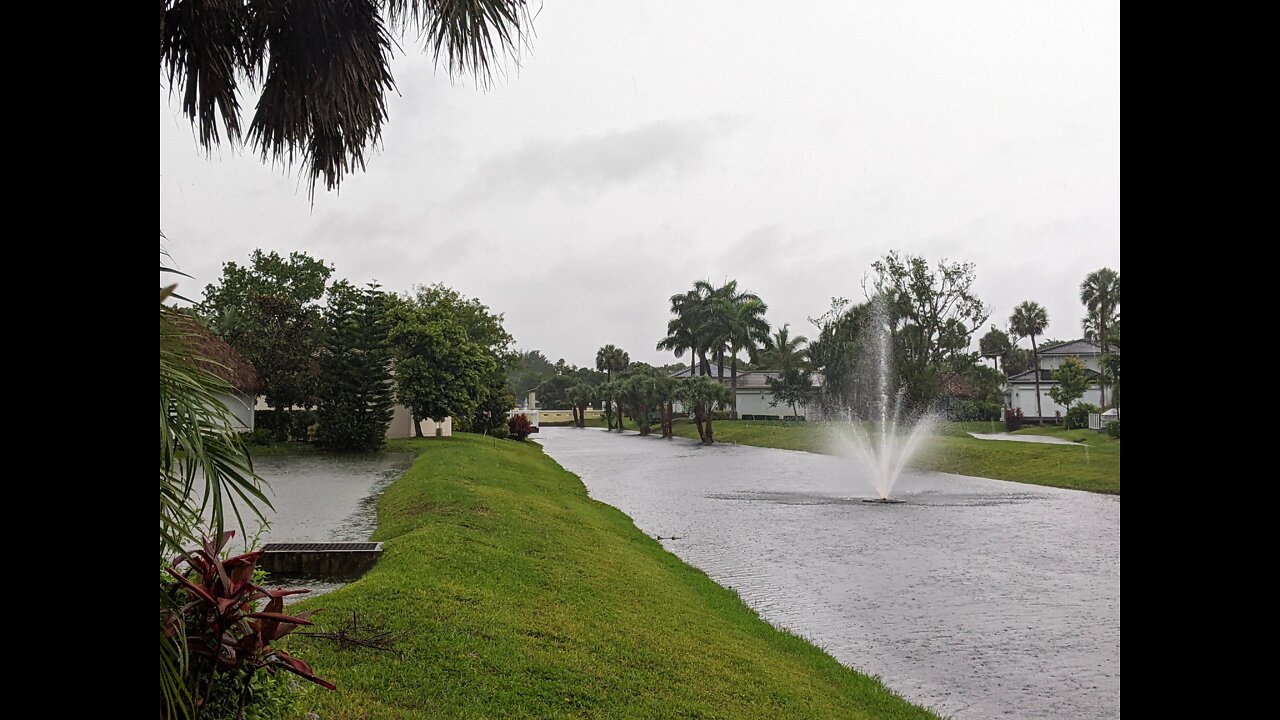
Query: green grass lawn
x,y
517,596
950,449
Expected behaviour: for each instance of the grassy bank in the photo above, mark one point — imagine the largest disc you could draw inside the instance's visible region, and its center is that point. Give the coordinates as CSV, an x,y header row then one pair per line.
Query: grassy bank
x,y
516,595
952,450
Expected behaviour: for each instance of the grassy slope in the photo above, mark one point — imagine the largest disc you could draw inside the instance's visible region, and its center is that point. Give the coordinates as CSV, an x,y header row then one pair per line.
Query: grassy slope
x,y
953,450
519,596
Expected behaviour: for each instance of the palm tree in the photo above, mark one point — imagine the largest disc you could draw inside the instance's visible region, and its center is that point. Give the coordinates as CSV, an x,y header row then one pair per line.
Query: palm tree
x,y
1100,293
1029,320
689,329
736,323
609,359
323,68
783,351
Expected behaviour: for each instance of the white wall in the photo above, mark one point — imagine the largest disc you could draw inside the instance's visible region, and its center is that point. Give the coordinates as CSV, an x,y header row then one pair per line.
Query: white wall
x,y
1053,362
1024,396
241,407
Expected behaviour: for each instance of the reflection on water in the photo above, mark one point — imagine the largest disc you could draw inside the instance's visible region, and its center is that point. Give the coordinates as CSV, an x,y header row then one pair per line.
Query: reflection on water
x,y
975,597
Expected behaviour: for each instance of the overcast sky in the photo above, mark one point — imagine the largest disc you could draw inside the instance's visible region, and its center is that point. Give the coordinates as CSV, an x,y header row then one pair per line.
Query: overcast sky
x,y
640,146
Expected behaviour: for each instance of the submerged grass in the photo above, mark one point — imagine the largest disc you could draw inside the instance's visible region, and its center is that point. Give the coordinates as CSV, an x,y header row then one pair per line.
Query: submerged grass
x,y
1092,464
517,596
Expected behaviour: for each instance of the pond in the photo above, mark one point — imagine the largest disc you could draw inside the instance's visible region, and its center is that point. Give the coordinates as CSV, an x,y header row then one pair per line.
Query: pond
x,y
324,498
978,598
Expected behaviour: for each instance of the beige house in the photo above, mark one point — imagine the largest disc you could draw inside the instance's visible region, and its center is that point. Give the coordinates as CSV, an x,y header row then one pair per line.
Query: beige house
x,y
402,425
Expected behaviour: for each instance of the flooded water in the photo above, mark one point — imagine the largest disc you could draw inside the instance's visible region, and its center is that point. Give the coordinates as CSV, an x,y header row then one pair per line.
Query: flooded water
x,y
977,598
325,498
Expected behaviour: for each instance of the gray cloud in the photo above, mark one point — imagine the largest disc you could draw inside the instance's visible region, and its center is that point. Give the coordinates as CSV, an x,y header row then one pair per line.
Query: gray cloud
x,y
595,162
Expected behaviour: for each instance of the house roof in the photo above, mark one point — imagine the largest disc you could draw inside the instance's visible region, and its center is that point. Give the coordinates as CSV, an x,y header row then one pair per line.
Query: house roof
x,y
1046,376
212,353
1076,347
954,384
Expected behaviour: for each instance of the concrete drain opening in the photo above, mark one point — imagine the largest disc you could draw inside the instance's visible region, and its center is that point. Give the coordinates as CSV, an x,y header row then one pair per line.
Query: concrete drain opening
x,y
320,559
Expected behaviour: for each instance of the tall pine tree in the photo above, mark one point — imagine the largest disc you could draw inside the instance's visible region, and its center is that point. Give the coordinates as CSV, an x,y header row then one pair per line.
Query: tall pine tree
x,y
356,393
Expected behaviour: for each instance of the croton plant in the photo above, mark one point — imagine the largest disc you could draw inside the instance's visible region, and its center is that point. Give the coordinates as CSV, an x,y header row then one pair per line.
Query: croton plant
x,y
215,601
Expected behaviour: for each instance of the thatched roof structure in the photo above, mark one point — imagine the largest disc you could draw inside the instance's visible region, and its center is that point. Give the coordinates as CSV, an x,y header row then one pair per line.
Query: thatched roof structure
x,y
212,353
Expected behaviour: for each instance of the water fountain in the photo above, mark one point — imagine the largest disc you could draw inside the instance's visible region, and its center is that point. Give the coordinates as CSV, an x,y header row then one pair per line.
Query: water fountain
x,y
881,446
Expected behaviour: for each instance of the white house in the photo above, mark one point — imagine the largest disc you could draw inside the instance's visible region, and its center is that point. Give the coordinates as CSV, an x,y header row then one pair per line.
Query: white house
x,y
754,394
1020,392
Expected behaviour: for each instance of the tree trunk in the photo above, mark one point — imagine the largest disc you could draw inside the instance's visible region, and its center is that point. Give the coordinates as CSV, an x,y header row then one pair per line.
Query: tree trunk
x,y
417,426
711,436
1102,342
719,374
702,434
733,405
1035,362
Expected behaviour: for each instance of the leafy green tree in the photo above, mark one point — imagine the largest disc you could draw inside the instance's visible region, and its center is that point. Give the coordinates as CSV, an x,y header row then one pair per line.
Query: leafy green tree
x,y
1017,360
1100,294
1029,319
528,371
323,69
356,391
491,413
439,372
1073,381
932,314
269,311
793,387
610,359
845,353
995,345
553,393
700,394
484,329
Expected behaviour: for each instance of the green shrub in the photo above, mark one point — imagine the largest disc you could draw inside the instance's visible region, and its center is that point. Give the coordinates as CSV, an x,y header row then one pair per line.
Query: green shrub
x,y
721,414
502,432
1078,416
300,422
1113,429
259,437
972,411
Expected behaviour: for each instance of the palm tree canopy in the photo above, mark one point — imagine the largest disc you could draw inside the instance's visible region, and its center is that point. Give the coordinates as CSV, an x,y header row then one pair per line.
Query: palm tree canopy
x,y
783,352
322,67
1029,319
1100,293
612,359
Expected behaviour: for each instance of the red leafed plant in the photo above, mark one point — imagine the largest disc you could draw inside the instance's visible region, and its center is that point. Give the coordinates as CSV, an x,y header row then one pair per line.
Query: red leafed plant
x,y
520,426
228,639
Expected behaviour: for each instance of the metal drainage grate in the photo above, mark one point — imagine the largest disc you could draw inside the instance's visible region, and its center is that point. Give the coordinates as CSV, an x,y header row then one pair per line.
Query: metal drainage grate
x,y
321,547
